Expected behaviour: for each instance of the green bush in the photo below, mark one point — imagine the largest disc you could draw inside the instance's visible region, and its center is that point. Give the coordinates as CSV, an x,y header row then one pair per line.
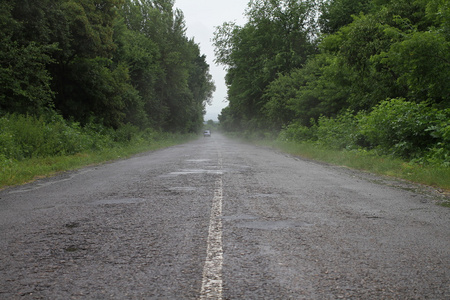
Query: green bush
x,y
126,133
439,153
396,127
8,148
149,134
23,137
61,137
400,128
297,132
341,132
98,137
20,137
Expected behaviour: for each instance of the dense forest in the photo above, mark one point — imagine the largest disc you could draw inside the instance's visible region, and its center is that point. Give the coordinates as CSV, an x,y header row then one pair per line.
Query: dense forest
x,y
108,62
370,75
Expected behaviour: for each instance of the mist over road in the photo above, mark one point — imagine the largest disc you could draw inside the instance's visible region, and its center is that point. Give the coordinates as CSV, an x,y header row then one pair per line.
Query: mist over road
x,y
219,219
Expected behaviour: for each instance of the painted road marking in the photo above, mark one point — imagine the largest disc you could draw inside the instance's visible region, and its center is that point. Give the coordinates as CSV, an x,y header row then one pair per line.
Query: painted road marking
x,y
212,270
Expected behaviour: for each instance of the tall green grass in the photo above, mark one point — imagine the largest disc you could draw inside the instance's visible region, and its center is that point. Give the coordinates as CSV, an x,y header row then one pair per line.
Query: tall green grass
x,y
16,172
397,138
33,147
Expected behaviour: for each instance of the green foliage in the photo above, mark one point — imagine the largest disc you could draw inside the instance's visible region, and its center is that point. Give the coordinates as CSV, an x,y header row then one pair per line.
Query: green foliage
x,y
97,144
280,95
27,136
368,53
338,13
433,175
408,130
306,93
422,60
276,40
113,61
368,82
24,80
126,133
399,127
341,132
298,133
167,69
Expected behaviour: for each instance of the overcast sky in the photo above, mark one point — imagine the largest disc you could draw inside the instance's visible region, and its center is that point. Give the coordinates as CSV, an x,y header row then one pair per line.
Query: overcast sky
x,y
201,17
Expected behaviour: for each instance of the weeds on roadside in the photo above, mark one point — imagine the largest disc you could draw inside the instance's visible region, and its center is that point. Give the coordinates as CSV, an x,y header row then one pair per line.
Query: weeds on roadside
x,y
432,175
33,147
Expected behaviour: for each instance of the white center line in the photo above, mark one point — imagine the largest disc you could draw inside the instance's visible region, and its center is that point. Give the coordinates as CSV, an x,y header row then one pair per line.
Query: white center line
x,y
212,271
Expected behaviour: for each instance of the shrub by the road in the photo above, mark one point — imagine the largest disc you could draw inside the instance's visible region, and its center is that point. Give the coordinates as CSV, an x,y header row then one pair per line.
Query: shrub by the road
x,y
25,137
37,146
416,132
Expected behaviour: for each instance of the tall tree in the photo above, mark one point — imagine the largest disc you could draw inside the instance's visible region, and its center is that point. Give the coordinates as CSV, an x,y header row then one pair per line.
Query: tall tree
x,y
108,61
335,14
24,79
88,83
167,68
307,93
277,38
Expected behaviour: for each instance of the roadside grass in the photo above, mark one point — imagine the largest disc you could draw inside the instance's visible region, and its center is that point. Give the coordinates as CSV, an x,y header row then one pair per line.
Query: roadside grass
x,y
435,176
15,172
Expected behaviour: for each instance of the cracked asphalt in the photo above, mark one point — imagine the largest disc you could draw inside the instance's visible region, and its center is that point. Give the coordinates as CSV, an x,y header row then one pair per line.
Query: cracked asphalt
x,y
219,219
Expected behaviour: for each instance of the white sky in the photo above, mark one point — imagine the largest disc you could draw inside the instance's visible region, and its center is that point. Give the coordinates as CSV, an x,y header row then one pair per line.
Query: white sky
x,y
202,16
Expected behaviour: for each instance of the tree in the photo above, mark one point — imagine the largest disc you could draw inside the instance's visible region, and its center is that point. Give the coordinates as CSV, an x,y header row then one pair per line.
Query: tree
x,y
167,68
276,39
24,79
421,58
111,61
307,93
89,84
336,14
359,45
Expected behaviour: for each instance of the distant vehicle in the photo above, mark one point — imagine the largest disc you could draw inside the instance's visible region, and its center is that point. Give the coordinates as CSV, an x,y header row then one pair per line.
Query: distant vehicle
x,y
207,133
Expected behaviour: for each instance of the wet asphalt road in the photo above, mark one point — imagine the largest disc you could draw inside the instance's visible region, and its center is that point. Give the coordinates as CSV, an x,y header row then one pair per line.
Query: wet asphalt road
x,y
218,219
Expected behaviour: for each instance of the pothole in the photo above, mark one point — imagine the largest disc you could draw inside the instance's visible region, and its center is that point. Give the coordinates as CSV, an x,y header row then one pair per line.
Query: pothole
x,y
71,249
72,225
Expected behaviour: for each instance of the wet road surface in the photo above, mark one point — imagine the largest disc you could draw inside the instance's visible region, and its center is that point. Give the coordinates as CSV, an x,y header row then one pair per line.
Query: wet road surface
x,y
219,219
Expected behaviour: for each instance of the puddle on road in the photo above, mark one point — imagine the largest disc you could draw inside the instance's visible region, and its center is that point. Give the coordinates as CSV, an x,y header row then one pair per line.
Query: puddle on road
x,y
239,217
253,222
237,168
272,225
196,171
198,160
212,171
265,195
119,201
182,189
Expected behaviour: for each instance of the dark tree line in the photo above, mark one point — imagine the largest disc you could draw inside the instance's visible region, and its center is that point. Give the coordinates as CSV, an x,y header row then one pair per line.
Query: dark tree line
x,y
297,60
106,61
